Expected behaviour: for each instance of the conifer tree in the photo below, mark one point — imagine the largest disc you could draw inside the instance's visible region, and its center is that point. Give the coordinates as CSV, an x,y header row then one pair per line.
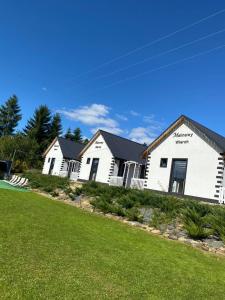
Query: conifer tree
x,y
69,135
77,137
39,126
9,116
56,127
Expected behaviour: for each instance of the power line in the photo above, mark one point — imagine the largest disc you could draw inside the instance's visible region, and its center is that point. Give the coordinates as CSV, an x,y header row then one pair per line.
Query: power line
x,y
162,67
156,56
152,43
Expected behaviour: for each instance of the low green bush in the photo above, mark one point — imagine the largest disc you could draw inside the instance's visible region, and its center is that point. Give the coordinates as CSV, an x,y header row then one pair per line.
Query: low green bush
x,y
47,183
160,219
200,220
133,214
195,223
217,220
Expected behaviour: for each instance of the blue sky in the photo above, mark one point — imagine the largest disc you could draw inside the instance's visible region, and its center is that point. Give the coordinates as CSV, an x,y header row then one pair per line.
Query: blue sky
x,y
73,56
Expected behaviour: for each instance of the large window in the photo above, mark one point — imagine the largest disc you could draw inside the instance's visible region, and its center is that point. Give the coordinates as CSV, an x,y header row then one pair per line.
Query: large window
x,y
163,162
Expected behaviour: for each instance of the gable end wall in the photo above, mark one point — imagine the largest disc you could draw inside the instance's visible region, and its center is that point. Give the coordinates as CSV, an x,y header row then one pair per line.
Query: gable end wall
x,y
203,161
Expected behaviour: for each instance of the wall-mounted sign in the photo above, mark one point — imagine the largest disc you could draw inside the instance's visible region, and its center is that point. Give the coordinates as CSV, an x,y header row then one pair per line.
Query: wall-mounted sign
x,y
177,134
182,135
98,143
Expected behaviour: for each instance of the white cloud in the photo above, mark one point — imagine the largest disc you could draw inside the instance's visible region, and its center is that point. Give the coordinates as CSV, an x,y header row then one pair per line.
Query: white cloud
x,y
157,125
134,113
114,130
142,135
93,115
121,117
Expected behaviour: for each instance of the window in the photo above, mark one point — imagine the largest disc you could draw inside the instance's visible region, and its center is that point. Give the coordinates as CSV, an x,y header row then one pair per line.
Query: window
x,y
163,162
88,161
49,160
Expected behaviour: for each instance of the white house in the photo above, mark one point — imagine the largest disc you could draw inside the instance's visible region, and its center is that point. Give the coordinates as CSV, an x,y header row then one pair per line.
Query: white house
x,y
187,158
111,159
62,158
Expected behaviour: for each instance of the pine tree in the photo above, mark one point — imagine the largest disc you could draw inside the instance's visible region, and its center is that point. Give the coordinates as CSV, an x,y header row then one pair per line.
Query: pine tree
x,y
56,127
77,137
85,141
39,126
69,135
9,116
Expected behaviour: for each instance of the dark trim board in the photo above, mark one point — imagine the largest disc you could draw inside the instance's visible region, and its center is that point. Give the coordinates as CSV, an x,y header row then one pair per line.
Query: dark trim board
x,y
207,200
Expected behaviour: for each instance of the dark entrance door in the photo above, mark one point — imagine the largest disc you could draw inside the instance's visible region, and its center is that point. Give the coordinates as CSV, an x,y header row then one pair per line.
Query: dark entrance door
x,y
94,169
51,166
178,176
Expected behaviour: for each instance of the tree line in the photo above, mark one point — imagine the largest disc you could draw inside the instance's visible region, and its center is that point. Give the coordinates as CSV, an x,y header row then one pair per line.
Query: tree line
x,y
28,144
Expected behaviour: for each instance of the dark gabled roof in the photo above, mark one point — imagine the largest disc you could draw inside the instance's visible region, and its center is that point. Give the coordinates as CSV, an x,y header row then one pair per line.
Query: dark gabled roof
x,y
123,148
70,149
212,136
218,139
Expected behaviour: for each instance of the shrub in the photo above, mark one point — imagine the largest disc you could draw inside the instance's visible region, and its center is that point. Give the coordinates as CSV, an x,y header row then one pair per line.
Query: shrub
x,y
160,218
127,201
195,223
197,231
47,183
133,214
217,221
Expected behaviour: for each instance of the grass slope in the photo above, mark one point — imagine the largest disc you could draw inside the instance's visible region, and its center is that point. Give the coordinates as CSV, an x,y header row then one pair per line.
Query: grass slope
x,y
49,250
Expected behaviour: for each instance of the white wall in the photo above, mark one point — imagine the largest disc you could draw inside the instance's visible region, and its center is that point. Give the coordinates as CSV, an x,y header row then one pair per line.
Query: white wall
x,y
201,167
98,149
54,152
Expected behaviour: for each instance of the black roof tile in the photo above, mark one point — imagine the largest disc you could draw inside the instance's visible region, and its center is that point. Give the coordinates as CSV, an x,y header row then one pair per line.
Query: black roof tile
x,y
218,139
70,149
123,148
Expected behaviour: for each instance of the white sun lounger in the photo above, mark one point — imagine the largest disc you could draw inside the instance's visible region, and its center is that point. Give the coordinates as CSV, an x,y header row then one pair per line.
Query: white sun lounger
x,y
18,183
25,183
13,178
15,181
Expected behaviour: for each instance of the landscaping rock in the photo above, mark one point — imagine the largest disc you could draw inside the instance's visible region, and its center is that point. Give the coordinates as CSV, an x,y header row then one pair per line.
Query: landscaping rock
x,y
182,239
205,247
181,233
220,251
166,235
213,243
147,214
171,227
156,231
173,237
163,228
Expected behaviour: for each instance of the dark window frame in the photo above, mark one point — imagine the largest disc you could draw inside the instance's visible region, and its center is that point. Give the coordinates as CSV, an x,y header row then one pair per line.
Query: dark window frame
x,y
163,162
88,161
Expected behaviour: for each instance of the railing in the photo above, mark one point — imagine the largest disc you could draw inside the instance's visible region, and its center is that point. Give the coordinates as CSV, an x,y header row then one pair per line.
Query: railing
x,y
73,175
137,183
116,181
222,195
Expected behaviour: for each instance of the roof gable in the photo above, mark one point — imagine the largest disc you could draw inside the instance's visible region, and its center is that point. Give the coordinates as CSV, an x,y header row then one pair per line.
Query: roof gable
x,y
69,148
215,140
120,147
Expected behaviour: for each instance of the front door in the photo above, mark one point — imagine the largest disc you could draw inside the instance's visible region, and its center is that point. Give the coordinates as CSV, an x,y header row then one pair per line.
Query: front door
x,y
178,176
70,168
94,169
51,166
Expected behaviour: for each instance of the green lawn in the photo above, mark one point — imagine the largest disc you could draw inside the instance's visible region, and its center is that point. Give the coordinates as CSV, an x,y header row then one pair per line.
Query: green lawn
x,y
49,250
